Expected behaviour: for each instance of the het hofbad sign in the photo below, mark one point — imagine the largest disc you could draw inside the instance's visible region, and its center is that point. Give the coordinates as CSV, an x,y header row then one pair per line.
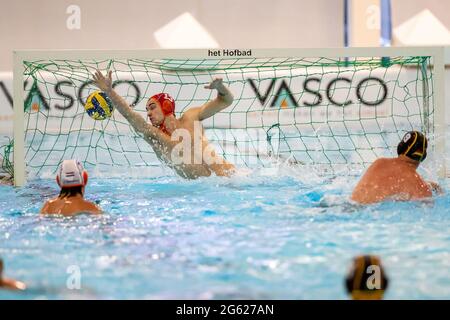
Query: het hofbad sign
x,y
229,53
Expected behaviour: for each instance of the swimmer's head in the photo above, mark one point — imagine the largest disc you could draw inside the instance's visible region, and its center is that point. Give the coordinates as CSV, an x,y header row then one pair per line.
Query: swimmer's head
x,y
366,279
413,145
71,174
159,107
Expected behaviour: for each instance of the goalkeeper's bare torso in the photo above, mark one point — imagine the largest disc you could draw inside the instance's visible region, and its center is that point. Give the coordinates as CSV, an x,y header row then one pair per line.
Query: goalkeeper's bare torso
x,y
192,156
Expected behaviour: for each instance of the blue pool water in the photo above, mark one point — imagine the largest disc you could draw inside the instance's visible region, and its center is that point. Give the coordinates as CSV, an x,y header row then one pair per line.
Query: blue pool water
x,y
253,237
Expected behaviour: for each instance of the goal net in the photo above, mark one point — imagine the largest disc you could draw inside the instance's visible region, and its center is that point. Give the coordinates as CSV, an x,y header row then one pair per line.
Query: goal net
x,y
328,110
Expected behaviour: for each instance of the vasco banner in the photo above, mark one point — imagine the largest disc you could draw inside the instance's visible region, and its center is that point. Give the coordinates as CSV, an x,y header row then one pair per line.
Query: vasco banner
x,y
266,97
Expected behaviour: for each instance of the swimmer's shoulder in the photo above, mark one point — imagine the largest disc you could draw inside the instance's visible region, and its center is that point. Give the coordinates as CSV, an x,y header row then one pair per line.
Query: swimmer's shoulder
x,y
380,163
191,114
48,206
383,161
91,207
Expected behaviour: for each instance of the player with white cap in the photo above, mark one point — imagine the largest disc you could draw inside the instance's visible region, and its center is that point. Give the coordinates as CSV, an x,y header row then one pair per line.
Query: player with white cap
x,y
72,178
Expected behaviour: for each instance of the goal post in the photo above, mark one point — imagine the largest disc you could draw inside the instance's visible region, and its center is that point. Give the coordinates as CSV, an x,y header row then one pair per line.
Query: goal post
x,y
324,107
19,125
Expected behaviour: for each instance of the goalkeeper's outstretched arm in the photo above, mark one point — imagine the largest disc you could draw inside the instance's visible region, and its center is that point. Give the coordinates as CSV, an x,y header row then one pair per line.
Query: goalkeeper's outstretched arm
x,y
223,100
134,118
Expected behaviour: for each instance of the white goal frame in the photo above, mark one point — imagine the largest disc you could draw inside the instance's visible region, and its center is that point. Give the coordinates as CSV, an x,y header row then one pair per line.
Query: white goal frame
x,y
437,54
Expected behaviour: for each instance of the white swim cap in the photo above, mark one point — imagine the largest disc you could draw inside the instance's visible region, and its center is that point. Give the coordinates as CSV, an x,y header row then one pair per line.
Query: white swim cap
x,y
71,174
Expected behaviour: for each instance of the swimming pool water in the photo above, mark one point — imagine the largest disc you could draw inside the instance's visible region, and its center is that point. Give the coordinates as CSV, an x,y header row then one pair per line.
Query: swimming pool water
x,y
252,237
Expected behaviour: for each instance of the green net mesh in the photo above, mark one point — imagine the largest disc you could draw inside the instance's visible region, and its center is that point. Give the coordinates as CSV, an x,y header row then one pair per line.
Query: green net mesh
x,y
330,114
7,168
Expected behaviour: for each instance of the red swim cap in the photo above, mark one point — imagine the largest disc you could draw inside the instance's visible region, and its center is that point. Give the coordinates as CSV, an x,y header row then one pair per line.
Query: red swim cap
x,y
167,108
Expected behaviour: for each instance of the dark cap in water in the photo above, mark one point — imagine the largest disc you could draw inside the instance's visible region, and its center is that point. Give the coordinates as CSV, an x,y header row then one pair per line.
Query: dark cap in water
x,y
413,145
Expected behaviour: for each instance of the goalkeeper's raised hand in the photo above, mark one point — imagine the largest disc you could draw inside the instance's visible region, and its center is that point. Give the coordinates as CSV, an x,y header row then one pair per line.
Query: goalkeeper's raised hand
x,y
102,82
